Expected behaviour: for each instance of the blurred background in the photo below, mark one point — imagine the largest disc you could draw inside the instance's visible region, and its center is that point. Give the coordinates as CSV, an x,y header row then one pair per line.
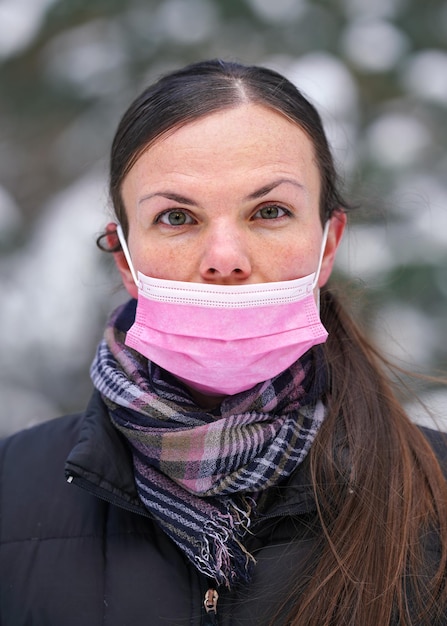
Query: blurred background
x,y
377,71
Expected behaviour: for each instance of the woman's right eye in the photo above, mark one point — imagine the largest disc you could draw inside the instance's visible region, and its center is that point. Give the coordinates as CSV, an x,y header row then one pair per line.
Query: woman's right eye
x,y
174,217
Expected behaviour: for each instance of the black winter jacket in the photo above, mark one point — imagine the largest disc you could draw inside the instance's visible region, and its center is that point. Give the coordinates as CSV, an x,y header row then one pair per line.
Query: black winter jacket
x,y
77,548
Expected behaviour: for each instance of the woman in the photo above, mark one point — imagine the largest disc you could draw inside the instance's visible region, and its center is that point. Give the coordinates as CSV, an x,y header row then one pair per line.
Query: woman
x,y
242,461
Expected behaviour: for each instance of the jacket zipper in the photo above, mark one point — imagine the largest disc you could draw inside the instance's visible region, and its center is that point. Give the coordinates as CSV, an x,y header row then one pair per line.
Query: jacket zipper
x,y
210,604
104,495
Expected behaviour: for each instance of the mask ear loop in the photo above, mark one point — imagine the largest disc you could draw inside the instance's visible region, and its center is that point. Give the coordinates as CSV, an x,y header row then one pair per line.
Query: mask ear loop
x,y
125,248
322,251
320,261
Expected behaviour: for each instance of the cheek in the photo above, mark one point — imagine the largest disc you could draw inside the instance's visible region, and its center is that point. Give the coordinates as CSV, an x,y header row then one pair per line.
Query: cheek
x,y
162,261
289,260
294,266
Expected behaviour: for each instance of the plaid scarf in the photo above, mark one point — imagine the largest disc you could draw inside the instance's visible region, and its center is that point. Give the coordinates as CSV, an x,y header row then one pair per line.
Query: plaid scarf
x,y
198,472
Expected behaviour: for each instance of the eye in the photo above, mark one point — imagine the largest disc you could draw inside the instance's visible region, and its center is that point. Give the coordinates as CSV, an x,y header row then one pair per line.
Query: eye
x,y
174,217
271,212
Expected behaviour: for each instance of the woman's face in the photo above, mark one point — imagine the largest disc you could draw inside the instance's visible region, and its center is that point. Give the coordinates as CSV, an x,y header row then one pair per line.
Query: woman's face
x,y
232,198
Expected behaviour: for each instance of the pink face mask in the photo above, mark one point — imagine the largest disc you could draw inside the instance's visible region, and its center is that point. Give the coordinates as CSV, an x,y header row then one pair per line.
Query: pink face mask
x,y
221,339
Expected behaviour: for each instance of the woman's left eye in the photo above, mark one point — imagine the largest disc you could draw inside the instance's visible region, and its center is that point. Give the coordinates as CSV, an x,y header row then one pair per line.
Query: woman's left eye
x,y
271,212
175,217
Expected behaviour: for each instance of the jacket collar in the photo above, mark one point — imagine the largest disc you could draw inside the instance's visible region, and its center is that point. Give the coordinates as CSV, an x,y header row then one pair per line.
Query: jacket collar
x,y
101,461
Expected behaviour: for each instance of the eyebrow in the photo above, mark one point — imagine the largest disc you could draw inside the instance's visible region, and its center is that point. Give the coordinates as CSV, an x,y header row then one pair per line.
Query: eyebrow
x,y
169,195
259,193
263,191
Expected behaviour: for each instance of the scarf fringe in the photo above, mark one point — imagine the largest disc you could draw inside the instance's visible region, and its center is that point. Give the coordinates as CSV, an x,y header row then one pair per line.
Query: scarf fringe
x,y
222,556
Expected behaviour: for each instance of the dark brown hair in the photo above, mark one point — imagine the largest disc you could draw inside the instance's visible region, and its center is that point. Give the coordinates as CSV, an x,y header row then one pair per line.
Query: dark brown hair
x,y
381,498
378,486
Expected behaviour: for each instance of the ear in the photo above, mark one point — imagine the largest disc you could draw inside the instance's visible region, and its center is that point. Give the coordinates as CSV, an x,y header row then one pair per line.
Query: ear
x,y
120,260
336,229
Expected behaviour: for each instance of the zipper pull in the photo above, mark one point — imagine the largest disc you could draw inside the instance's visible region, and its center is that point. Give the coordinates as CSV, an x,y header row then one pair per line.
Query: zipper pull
x,y
210,604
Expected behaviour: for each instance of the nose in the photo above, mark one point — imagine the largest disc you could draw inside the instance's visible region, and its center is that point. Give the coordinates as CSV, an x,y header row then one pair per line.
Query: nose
x,y
225,258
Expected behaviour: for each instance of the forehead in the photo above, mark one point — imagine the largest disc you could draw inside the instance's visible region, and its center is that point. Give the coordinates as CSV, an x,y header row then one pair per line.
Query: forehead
x,y
248,137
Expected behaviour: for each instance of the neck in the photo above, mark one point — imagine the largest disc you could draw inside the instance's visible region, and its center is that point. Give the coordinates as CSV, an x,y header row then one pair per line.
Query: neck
x,y
205,401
